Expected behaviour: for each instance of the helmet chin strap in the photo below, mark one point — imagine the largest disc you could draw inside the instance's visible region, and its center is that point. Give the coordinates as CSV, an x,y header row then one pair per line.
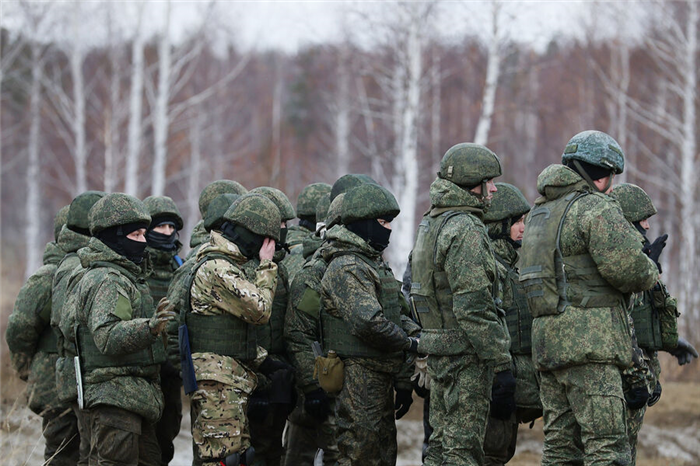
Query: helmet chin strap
x,y
588,179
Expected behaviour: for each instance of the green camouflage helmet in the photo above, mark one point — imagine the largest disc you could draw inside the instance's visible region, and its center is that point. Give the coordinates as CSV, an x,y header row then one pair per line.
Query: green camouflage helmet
x,y
635,202
217,209
80,208
322,208
468,165
368,201
308,199
596,148
59,220
256,213
163,208
117,209
508,202
280,199
335,211
212,190
346,182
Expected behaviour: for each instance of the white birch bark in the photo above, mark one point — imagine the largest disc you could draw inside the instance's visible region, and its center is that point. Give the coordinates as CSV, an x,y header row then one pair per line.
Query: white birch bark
x,y
161,121
276,129
193,189
77,56
131,176
493,71
436,111
342,116
112,134
32,207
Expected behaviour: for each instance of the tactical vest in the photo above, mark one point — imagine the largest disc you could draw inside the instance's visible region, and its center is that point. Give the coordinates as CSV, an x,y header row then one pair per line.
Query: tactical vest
x,y
551,281
647,323
48,341
92,358
223,334
518,315
431,294
337,334
271,335
159,280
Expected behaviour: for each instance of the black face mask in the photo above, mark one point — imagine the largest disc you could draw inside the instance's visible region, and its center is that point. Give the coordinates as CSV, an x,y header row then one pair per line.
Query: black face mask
x,y
371,231
248,242
308,224
643,231
160,241
504,234
282,243
115,238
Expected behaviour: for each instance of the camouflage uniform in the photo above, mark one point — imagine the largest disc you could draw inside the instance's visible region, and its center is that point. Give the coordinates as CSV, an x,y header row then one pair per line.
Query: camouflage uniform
x,y
120,357
507,206
33,347
462,359
365,323
582,340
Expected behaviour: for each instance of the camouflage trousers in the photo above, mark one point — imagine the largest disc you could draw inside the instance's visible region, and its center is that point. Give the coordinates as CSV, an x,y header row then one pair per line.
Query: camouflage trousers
x,y
60,428
168,426
219,423
305,435
366,428
266,436
121,437
500,440
584,416
460,392
635,419
83,420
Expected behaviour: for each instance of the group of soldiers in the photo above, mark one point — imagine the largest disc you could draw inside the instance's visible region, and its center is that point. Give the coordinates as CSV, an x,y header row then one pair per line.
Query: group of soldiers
x,y
296,344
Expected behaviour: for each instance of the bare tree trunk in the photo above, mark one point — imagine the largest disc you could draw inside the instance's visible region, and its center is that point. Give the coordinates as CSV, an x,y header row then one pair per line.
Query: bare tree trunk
x,y
131,177
80,156
193,189
161,122
112,138
33,201
435,85
492,73
342,120
276,129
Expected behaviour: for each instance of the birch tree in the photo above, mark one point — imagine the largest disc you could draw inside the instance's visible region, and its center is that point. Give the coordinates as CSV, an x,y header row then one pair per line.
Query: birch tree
x,y
131,176
160,126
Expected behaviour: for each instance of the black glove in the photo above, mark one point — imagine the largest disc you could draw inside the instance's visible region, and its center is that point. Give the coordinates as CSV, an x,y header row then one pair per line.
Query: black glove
x,y
656,396
637,397
413,347
258,406
403,401
269,366
654,249
684,352
503,395
317,405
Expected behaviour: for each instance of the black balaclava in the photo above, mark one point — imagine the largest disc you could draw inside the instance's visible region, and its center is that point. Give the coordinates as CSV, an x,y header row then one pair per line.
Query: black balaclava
x,y
506,225
248,243
159,240
308,223
282,243
371,231
115,238
643,231
590,173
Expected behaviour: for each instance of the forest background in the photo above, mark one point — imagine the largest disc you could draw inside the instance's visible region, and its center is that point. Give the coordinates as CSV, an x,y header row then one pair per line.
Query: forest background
x,y
91,100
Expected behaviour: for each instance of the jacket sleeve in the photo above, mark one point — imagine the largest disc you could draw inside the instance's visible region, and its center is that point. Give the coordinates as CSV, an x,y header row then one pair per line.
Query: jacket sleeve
x,y
470,269
301,330
352,286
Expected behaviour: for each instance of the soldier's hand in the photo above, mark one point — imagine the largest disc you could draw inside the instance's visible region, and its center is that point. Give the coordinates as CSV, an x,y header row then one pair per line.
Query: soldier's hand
x,y
421,378
637,397
164,314
656,396
413,344
316,404
403,401
654,249
503,395
270,365
684,352
268,249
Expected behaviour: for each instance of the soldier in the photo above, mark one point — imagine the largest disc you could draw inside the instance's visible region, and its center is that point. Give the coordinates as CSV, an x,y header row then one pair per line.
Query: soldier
x,y
578,262
118,335
654,311
273,400
33,351
454,290
199,234
162,250
306,211
364,322
505,222
312,242
230,293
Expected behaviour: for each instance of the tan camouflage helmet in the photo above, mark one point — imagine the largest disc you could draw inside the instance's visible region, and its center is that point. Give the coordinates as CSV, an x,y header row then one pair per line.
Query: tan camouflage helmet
x,y
322,208
635,202
508,202
256,213
217,209
79,210
346,182
117,209
335,211
468,165
212,190
368,201
280,199
59,220
163,208
308,199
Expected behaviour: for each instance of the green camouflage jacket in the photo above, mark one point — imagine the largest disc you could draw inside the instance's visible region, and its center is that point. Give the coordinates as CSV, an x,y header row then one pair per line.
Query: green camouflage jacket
x,y
113,304
199,236
350,290
219,288
596,226
310,245
28,328
294,261
464,252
